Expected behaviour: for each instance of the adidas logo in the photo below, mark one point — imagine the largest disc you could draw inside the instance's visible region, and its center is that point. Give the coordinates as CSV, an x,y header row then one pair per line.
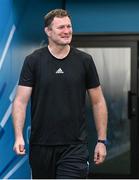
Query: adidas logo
x,y
59,71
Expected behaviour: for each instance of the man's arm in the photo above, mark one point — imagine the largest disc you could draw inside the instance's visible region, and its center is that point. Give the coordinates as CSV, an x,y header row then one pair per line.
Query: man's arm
x,y
100,115
18,113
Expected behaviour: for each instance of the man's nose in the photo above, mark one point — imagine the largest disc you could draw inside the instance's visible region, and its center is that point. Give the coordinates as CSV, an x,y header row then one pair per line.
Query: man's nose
x,y
66,30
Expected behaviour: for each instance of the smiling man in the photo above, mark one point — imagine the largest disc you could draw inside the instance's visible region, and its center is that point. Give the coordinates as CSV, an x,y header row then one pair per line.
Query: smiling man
x,y
56,78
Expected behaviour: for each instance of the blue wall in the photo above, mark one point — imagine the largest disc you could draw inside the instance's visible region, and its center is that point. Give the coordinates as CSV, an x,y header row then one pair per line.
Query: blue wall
x,y
104,15
21,31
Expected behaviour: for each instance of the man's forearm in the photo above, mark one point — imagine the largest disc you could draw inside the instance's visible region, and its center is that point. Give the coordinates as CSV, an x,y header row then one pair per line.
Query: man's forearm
x,y
18,114
100,115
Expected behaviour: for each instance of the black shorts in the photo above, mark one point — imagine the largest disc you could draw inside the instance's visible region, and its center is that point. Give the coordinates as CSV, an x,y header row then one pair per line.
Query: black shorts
x,y
59,162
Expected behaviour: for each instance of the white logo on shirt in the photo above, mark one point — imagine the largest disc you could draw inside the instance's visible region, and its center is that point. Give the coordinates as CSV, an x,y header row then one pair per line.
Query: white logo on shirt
x,y
59,71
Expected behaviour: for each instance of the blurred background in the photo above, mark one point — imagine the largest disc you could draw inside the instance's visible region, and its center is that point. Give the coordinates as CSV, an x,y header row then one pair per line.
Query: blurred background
x,y
22,31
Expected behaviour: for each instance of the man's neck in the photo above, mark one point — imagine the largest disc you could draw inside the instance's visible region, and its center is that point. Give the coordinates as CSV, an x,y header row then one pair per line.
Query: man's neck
x,y
59,52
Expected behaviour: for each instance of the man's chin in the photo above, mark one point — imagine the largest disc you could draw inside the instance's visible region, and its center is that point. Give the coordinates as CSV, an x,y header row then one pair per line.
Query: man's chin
x,y
66,43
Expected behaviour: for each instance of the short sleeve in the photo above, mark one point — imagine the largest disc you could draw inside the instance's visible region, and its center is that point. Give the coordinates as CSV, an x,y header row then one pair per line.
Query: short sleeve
x,y
27,73
92,78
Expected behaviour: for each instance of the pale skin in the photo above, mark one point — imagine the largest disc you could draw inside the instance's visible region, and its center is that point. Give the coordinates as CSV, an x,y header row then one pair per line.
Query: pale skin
x,y
19,112
100,115
59,36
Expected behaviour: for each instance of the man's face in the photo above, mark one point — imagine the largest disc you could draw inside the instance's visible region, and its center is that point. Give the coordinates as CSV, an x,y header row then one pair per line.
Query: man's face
x,y
60,31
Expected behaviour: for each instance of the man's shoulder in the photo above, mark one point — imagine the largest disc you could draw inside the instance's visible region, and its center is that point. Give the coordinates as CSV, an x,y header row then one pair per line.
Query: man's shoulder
x,y
37,53
35,56
82,56
80,52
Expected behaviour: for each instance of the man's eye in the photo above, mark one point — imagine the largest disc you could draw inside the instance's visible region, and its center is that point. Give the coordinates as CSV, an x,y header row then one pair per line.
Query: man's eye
x,y
61,27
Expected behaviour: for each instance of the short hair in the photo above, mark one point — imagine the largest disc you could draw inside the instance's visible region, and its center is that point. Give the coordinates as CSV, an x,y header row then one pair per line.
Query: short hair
x,y
48,18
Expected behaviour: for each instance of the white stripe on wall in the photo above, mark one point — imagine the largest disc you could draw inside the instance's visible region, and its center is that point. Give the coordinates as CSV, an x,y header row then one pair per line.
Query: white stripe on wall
x,y
7,45
9,110
6,116
16,167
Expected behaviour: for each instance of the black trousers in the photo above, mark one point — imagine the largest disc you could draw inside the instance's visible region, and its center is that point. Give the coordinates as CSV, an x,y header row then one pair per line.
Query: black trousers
x,y
59,162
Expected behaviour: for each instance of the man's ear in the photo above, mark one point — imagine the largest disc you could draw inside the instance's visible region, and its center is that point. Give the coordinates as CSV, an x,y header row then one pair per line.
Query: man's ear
x,y
47,31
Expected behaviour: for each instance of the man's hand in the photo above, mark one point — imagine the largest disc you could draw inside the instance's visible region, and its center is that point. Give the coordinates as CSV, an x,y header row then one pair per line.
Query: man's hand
x,y
100,153
19,146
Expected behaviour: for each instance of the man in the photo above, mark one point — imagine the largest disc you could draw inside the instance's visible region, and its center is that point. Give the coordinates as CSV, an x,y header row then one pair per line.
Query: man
x,y
56,78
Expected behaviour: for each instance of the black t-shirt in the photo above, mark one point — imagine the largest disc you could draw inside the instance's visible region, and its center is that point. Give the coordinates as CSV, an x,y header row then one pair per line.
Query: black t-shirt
x,y
58,95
